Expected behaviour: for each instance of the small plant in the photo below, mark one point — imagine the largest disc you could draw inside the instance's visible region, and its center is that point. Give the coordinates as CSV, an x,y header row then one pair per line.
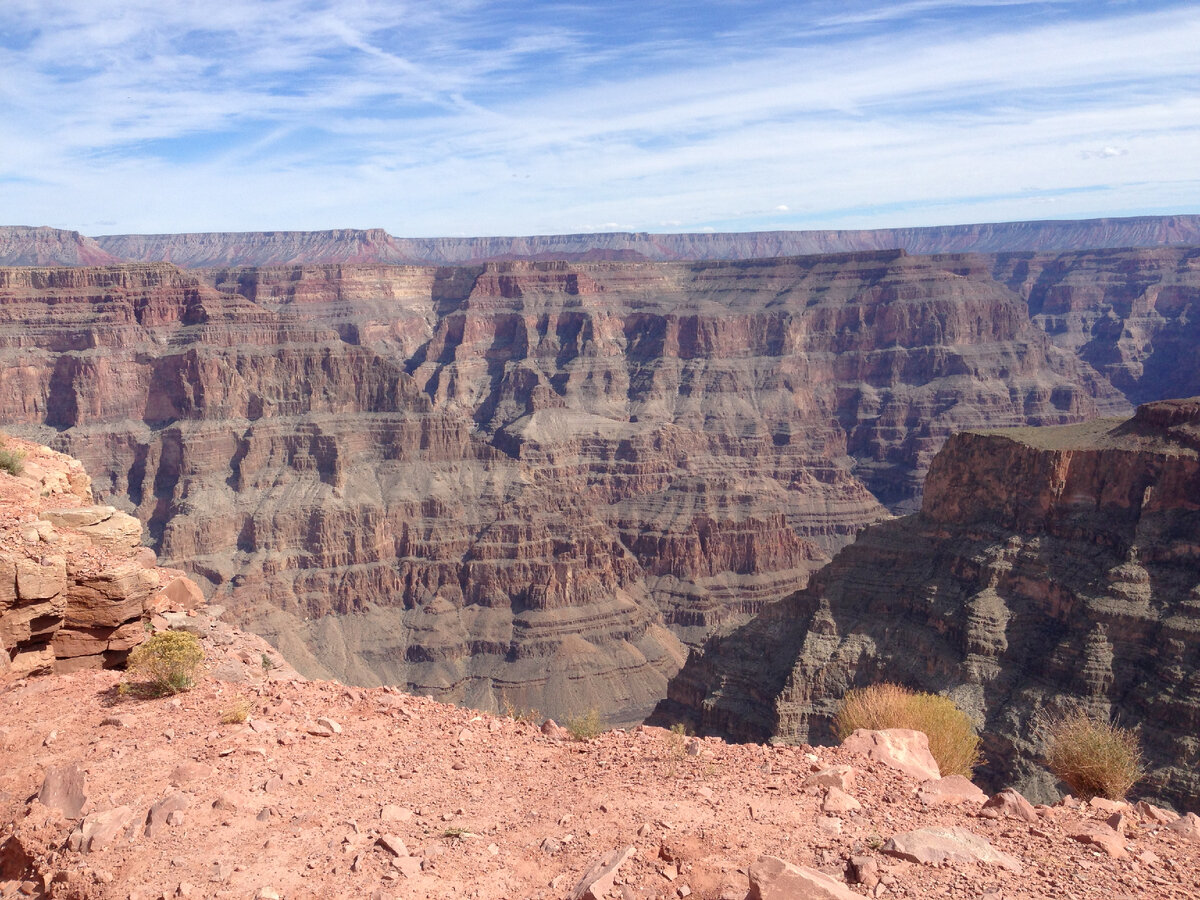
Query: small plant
x,y
585,727
952,738
236,713
1095,757
518,714
12,461
167,662
268,664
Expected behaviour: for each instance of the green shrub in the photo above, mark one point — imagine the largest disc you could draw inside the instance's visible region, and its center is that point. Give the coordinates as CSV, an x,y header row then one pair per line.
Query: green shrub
x,y
952,738
12,461
167,662
585,727
1095,757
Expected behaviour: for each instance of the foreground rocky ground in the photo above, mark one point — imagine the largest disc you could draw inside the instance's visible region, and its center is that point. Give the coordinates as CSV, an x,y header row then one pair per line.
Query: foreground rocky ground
x,y
329,791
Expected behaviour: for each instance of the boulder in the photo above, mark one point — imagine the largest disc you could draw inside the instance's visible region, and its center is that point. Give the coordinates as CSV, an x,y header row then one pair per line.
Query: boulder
x,y
64,788
898,748
1009,804
948,845
771,878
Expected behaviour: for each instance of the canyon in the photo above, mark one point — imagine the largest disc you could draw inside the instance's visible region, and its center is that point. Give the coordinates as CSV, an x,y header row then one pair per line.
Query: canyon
x,y
1047,568
536,484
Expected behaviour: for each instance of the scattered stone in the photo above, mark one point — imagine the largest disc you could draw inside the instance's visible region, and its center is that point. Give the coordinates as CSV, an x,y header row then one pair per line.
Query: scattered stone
x,y
599,879
863,870
550,845
1188,826
840,777
329,724
161,812
1009,804
408,866
102,828
951,790
1154,815
838,802
1099,835
393,813
899,748
1110,806
773,879
552,729
393,844
64,788
941,845
1118,822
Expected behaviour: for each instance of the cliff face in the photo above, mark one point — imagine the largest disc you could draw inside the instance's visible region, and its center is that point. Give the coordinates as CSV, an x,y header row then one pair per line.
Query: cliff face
x,y
1046,567
47,246
22,245
77,589
524,481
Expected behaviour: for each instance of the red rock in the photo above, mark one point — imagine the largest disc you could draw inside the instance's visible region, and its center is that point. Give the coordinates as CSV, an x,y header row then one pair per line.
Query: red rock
x,y
838,802
182,593
599,879
899,748
772,878
948,845
1154,815
64,788
841,777
1009,804
393,844
1188,826
1098,835
100,829
190,771
161,812
950,790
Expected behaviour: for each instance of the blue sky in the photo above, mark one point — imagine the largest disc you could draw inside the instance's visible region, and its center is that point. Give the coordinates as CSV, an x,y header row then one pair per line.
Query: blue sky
x,y
459,117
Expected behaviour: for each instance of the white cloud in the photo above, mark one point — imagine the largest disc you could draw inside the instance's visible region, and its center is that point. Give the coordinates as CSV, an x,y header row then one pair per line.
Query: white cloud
x,y
443,118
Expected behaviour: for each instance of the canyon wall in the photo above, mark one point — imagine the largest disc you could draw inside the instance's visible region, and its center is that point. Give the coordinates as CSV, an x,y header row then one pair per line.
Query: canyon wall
x,y
1046,568
537,483
20,245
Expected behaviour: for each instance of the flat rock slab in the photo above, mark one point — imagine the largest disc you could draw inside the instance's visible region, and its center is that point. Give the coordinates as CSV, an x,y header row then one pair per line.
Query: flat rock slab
x,y
1009,804
1102,836
598,880
773,879
952,789
64,788
1188,826
899,748
939,846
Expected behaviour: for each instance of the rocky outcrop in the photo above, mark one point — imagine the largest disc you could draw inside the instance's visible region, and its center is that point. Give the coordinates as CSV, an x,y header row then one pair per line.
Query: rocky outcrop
x,y
77,589
1047,567
374,245
525,483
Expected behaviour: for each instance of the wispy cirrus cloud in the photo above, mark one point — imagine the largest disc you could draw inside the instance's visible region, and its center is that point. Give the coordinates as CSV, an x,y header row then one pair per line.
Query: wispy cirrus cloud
x,y
495,117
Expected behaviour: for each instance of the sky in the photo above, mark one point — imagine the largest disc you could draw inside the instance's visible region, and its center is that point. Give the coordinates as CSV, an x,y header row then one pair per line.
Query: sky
x,y
488,117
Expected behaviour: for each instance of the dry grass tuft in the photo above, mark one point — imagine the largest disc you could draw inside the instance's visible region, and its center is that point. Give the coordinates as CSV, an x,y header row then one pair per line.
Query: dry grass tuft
x,y
1095,757
237,712
952,738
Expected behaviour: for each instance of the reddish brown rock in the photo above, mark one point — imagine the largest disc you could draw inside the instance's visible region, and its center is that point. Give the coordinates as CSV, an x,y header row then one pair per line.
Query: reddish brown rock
x,y
899,748
64,788
1009,804
952,789
771,878
598,881
939,846
1102,836
1187,825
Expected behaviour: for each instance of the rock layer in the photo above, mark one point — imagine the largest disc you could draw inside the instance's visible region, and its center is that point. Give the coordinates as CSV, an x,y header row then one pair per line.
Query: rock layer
x,y
1047,567
525,483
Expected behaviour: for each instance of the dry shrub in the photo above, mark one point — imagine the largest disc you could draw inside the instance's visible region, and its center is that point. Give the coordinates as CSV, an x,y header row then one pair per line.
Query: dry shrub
x,y
952,738
237,712
585,727
1095,757
12,461
167,662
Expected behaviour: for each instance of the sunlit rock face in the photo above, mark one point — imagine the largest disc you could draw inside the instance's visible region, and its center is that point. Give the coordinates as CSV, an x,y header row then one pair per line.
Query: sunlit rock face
x,y
534,483
1047,567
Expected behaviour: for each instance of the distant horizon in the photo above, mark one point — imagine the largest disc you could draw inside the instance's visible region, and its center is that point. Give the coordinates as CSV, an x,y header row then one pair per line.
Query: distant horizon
x,y
702,232
542,117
